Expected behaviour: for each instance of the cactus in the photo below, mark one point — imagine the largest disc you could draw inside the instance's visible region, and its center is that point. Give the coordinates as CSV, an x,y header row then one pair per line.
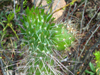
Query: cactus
x,y
41,36
63,38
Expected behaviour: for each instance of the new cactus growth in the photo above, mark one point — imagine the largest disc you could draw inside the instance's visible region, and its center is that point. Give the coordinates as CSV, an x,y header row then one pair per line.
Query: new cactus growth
x,y
41,36
63,38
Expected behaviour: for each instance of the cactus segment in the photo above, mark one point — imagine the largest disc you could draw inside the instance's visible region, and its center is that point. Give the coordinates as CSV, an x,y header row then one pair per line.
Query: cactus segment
x,y
62,38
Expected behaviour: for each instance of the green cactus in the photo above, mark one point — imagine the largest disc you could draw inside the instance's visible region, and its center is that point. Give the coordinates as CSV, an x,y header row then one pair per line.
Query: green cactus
x,y
37,28
37,35
41,36
62,38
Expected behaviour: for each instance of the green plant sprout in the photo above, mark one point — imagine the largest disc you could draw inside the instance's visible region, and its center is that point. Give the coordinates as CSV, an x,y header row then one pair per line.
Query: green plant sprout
x,y
9,24
41,35
73,1
93,69
97,58
48,2
24,3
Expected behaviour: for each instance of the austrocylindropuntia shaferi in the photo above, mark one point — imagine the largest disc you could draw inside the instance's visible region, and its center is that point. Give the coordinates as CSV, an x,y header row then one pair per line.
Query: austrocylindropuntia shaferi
x,y
41,35
63,37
